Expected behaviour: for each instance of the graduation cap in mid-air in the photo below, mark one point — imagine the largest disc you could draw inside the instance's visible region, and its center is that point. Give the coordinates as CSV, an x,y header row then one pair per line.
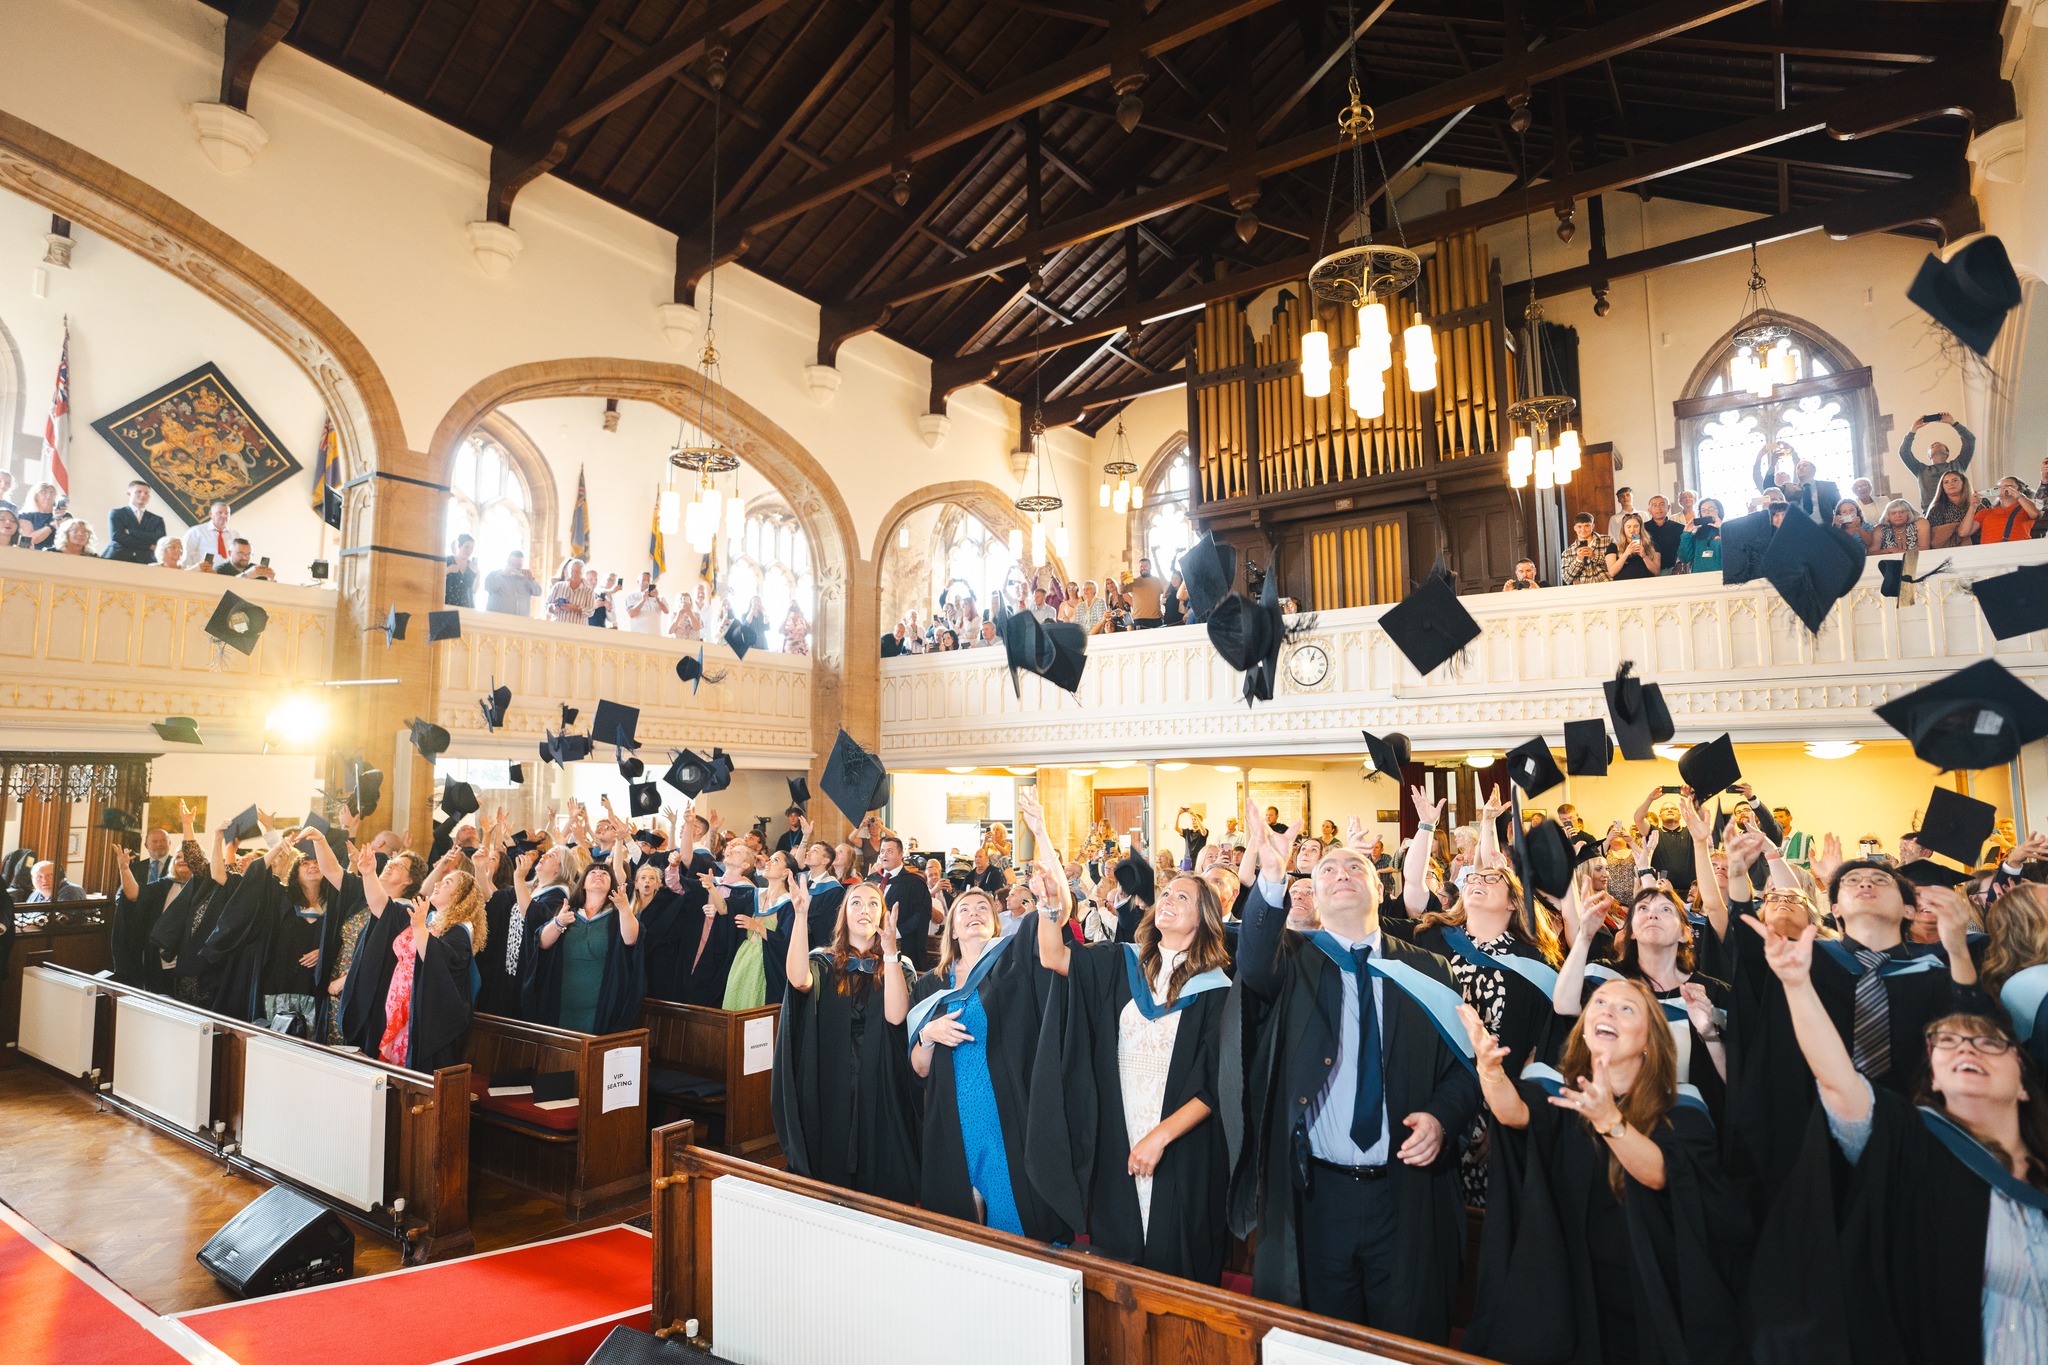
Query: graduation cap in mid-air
x,y
118,821
2013,603
246,825
395,622
1430,624
1641,720
428,738
720,764
854,779
1207,570
1710,769
1390,753
799,794
1587,748
443,625
1956,826
1977,717
495,706
237,623
560,749
362,785
1970,293
615,723
1249,635
517,772
1813,567
737,640
1744,542
1135,878
457,799
569,714
1927,872
177,729
1544,859
1531,767
687,773
1055,650
690,669
630,766
644,798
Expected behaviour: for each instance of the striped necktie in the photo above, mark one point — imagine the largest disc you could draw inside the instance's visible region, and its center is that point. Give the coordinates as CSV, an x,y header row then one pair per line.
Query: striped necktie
x,y
1873,1027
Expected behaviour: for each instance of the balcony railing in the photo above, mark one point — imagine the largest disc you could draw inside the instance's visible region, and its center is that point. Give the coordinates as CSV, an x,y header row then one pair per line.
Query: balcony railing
x,y
762,709
92,651
1728,658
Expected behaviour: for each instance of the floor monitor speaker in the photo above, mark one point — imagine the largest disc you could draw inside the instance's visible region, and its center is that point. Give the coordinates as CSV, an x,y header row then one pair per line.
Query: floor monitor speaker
x,y
282,1241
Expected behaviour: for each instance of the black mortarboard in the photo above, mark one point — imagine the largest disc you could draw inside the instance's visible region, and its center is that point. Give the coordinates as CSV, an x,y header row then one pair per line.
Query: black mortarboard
x,y
1927,872
1956,826
549,1086
427,737
615,723
364,786
1430,625
1544,857
569,714
1638,713
853,779
2013,603
1970,293
1390,753
236,623
118,820
443,625
687,774
495,706
630,766
457,799
1531,767
1813,567
245,825
1978,717
560,749
644,798
1135,878
177,729
316,823
736,639
1710,769
394,625
799,794
517,772
720,764
650,838
1587,748
690,668
1208,569
1055,650
1744,541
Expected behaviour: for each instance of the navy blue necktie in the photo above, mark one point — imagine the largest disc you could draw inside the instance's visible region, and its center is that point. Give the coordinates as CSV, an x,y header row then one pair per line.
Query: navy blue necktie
x,y
1370,1100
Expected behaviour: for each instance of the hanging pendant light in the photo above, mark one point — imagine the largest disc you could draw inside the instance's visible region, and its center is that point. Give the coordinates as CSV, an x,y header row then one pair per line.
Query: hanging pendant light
x,y
1546,448
1763,347
1116,475
1315,361
1036,504
699,450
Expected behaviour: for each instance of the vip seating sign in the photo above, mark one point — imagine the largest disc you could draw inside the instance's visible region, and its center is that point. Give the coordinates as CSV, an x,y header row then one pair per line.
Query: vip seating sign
x,y
196,440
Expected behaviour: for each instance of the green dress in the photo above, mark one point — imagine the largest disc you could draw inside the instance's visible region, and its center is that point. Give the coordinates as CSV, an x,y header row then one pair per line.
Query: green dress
x,y
583,953
746,984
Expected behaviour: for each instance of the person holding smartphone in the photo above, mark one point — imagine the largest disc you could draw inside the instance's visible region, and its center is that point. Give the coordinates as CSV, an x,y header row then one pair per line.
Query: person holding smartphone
x,y
1634,555
239,564
1585,557
2008,514
1699,549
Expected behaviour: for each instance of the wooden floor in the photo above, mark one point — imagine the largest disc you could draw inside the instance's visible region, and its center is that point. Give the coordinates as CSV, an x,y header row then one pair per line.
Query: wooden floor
x,y
139,1204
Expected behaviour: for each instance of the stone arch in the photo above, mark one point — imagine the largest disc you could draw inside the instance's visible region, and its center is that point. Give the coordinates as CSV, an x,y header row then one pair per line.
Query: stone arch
x,y
13,389
541,497
996,510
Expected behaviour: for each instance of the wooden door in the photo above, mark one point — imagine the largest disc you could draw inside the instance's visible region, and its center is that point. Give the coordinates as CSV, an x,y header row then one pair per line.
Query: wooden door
x,y
1592,488
1123,809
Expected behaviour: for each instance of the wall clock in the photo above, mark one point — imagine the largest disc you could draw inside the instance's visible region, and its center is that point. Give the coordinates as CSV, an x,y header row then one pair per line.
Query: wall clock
x,y
1308,665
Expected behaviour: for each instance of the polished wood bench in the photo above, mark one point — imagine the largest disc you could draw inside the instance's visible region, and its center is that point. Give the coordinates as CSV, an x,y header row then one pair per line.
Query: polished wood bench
x,y
584,1155
700,1071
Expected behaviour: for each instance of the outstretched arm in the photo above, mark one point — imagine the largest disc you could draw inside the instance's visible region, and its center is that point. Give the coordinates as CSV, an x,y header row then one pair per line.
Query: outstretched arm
x,y
796,963
1842,1088
1503,1100
1415,866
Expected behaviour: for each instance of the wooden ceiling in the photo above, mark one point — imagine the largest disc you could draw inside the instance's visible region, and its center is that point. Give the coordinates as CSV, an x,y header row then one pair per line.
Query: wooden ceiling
x,y
952,172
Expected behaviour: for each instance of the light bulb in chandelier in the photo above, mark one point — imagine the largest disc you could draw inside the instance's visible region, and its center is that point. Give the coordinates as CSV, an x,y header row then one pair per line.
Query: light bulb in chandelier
x,y
1369,399
671,511
1037,542
1418,351
1105,492
1315,362
1137,496
1521,459
1545,471
1560,469
1783,368
1120,502
1374,337
1059,539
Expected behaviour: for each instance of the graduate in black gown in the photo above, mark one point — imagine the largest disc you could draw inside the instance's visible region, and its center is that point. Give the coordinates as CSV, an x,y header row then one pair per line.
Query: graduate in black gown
x,y
666,915
187,921
407,997
274,941
844,1097
588,975
712,934
137,909
495,868
826,890
1612,1234
1907,1234
1123,1137
974,1029
541,880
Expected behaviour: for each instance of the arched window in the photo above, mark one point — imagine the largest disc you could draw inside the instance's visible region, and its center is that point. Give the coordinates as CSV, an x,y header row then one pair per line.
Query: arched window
x,y
1825,412
771,560
1167,531
487,498
970,557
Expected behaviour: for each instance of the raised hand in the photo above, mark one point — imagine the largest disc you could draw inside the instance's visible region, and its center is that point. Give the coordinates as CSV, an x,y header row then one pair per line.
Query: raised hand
x,y
2031,849
1593,1099
523,867
1695,822
889,932
1790,959
1427,811
1698,1007
1595,911
1830,859
1487,1053
1495,807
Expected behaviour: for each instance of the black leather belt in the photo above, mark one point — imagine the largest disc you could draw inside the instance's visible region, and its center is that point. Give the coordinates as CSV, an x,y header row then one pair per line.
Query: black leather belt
x,y
1355,1172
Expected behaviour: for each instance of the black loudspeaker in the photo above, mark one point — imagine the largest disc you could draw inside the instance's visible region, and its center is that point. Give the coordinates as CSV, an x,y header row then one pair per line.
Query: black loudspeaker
x,y
624,1346
282,1241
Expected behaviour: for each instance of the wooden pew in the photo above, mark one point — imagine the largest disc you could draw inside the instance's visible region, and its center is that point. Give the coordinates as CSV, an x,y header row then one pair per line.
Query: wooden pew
x,y
426,1151
694,1045
1131,1316
582,1155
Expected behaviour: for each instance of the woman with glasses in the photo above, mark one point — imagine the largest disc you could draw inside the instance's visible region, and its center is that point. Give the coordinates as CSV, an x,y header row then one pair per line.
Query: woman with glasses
x,y
1935,1247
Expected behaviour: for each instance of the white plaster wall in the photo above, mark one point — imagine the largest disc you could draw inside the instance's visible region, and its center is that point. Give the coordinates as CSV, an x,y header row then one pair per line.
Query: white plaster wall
x,y
918,808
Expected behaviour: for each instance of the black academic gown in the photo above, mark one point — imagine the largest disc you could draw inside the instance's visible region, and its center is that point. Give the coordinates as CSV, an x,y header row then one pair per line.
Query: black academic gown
x,y
182,928
441,1012
1078,1143
823,917
911,899
843,1094
1567,1276
666,942
135,962
705,959
1278,1034
1014,995
1525,1029
245,945
619,992
497,989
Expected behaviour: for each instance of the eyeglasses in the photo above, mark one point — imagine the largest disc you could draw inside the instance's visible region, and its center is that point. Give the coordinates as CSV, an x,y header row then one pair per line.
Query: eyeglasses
x,y
1986,1044
1860,880
1488,877
1790,897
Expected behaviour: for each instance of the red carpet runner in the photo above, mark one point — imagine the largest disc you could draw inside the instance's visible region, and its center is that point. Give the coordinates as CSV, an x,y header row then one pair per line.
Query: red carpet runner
x,y
550,1303
56,1308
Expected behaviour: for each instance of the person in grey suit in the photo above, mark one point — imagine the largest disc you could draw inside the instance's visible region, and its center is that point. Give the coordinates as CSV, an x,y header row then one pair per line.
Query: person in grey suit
x,y
134,530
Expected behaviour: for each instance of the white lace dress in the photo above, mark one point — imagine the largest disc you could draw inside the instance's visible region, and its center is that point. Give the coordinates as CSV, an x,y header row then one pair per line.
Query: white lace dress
x,y
1144,1052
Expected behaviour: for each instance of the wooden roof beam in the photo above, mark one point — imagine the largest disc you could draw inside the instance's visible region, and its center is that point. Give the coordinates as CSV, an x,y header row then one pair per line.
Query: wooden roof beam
x,y
254,28
542,139
1068,411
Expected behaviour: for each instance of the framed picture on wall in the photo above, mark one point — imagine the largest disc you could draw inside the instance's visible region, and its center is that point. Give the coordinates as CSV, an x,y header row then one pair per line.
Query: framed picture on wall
x,y
197,440
967,808
1289,798
162,813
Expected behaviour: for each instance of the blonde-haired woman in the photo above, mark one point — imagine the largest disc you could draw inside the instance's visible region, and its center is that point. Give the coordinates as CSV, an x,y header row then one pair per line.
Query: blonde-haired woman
x,y
1899,528
1612,1232
1952,515
573,596
407,999
39,519
2016,964
75,538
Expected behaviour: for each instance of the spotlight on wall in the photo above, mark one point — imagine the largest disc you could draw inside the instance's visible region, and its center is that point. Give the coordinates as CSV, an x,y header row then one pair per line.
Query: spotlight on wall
x,y
1832,748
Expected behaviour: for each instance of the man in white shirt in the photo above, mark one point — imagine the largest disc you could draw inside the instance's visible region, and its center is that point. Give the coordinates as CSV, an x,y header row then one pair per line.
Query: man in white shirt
x,y
211,537
1625,504
646,608
1040,608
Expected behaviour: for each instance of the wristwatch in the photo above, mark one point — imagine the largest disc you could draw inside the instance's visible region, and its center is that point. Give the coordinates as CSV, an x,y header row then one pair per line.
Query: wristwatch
x,y
1616,1131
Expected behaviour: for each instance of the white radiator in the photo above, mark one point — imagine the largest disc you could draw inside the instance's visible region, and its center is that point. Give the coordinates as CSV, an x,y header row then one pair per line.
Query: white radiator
x,y
854,1269
1282,1347
163,1060
317,1118
57,1019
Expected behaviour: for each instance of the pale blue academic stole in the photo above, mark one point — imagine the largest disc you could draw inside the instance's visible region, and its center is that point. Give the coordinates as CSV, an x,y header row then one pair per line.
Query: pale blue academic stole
x,y
1141,994
1537,973
1439,1002
2023,994
921,1013
1982,1164
1553,1085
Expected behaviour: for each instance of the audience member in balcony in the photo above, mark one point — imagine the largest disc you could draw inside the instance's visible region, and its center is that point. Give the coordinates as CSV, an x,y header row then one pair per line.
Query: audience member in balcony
x,y
1866,501
1147,598
459,587
755,623
133,530
1040,608
2008,515
1663,532
1175,603
1624,505
7,492
1585,558
170,552
796,632
644,607
1699,548
1952,515
74,537
573,596
1810,493
988,639
47,883
212,541
239,563
685,625
893,641
1848,517
39,522
10,528
1632,556
589,973
1940,459
510,591
1524,577
1899,529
